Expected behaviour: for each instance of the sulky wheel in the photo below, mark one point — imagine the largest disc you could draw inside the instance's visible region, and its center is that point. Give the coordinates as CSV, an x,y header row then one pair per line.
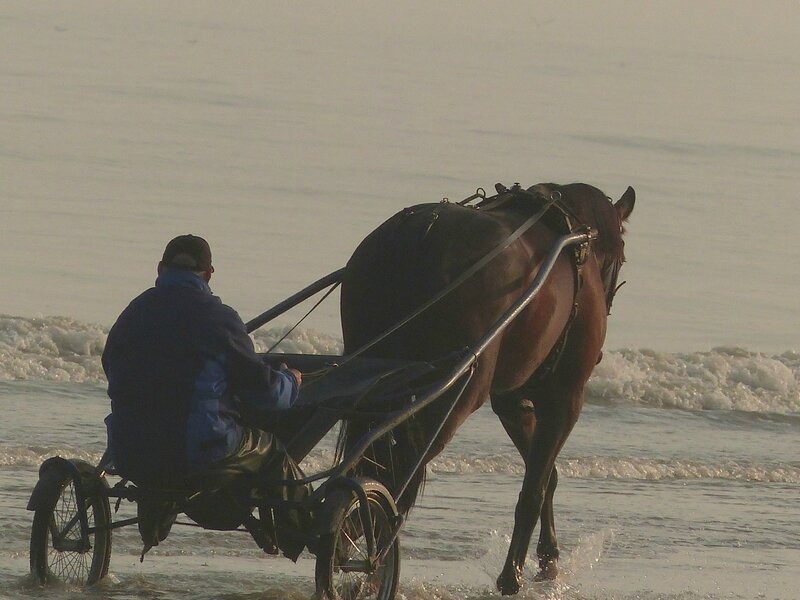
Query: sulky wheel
x,y
58,552
344,570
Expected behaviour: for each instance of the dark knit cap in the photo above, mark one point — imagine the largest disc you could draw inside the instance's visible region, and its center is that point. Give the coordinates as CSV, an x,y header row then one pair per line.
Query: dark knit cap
x,y
189,252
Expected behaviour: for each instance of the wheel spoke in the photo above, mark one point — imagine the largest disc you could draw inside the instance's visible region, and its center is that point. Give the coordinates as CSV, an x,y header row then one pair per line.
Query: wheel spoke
x,y
353,544
67,529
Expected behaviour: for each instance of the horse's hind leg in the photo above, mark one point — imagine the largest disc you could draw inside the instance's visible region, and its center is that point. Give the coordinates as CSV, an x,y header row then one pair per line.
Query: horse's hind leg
x,y
519,420
547,548
556,414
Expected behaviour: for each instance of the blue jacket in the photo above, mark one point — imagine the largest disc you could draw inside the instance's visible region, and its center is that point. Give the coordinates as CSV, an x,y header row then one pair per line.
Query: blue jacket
x,y
178,363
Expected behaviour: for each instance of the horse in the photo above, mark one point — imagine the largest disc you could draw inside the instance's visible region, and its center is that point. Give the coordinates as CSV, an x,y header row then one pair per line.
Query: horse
x,y
535,371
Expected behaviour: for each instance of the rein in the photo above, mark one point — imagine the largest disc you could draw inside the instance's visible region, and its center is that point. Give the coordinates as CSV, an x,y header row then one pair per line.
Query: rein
x,y
312,309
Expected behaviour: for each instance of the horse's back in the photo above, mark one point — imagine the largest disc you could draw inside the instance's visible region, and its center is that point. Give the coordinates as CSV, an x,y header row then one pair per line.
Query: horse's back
x,y
411,258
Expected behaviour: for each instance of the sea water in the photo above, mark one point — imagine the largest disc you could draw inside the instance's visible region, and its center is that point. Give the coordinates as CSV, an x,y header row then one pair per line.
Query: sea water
x,y
284,133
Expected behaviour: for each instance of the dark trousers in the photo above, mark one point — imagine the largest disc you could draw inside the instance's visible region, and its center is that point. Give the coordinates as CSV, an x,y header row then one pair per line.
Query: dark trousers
x,y
261,464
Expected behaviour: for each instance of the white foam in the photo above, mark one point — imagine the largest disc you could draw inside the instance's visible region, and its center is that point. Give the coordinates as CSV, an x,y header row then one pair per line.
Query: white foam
x,y
595,467
648,469
419,589
63,349
722,379
598,467
33,456
51,348
299,341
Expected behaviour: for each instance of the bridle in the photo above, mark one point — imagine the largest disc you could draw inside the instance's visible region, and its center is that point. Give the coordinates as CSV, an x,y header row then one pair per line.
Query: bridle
x,y
609,273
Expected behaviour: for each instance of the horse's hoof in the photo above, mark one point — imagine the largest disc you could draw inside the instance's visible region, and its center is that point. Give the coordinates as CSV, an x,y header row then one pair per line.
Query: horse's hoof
x,y
509,583
548,570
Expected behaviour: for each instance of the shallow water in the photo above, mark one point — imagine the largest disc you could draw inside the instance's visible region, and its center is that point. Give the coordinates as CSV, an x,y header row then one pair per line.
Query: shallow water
x,y
656,499
285,133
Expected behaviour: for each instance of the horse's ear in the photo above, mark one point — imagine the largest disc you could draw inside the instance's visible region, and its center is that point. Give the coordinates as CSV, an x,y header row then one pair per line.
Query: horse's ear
x,y
625,204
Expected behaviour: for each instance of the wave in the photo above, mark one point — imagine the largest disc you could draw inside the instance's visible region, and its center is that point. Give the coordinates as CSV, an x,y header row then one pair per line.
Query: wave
x,y
625,468
33,456
62,349
594,467
721,379
51,348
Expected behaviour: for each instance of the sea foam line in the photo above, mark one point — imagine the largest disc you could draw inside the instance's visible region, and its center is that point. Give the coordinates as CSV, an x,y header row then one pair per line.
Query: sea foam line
x,y
625,468
595,467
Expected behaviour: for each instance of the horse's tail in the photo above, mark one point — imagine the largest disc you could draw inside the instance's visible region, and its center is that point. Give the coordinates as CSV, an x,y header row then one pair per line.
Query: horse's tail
x,y
390,459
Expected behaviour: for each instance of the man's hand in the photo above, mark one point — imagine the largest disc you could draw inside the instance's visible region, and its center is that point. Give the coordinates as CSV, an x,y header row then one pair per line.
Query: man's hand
x,y
298,376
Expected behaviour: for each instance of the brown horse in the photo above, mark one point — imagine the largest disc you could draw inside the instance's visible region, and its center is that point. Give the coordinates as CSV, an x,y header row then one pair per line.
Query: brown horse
x,y
534,372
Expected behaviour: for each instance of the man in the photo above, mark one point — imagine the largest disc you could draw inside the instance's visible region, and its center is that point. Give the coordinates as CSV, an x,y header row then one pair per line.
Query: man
x,y
180,368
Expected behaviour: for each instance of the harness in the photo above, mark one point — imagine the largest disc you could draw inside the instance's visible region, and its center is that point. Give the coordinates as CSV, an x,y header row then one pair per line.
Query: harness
x,y
563,220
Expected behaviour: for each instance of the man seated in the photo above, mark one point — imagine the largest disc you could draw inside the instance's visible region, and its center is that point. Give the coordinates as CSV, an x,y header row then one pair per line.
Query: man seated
x,y
181,369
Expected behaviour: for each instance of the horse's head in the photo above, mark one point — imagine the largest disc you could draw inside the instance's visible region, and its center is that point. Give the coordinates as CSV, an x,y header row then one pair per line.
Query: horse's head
x,y
592,207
